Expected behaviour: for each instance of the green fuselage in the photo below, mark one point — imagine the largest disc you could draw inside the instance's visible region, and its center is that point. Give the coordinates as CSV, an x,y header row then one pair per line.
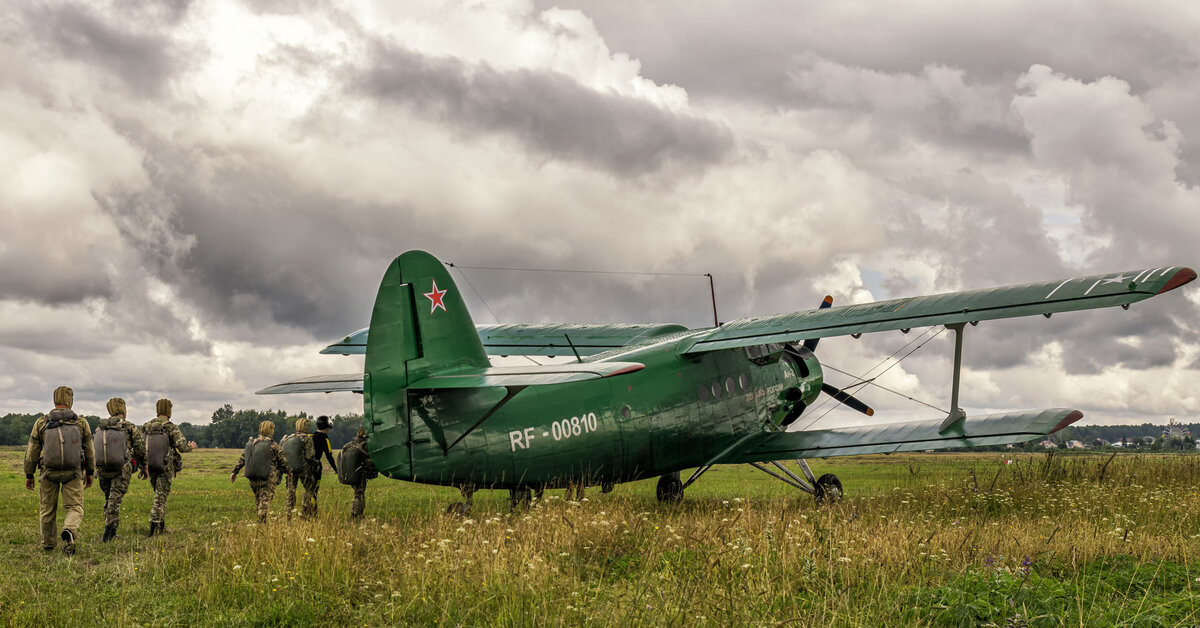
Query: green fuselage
x,y
674,414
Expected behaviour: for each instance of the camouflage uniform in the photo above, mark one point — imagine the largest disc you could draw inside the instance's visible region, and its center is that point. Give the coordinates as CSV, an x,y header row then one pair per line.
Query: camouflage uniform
x,y
264,490
51,483
360,487
116,483
162,481
306,477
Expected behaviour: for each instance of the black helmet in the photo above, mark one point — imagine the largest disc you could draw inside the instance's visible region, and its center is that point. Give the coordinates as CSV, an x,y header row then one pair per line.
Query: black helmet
x,y
323,422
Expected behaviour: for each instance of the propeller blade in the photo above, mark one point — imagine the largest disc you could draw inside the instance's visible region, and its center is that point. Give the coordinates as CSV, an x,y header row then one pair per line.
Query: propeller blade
x,y
811,344
847,399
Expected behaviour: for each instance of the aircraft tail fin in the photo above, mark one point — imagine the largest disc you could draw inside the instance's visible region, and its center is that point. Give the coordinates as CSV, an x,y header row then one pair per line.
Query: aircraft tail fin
x,y
420,325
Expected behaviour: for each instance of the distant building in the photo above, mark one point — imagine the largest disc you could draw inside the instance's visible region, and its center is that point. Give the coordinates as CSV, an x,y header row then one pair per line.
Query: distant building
x,y
1048,445
1075,444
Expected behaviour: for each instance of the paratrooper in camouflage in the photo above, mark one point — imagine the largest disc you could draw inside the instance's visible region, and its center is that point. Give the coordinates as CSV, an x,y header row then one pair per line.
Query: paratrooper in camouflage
x,y
300,447
60,444
356,468
115,481
162,470
276,463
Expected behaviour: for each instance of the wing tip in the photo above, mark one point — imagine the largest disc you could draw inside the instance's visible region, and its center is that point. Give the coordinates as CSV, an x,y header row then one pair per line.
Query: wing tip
x,y
1071,417
1182,276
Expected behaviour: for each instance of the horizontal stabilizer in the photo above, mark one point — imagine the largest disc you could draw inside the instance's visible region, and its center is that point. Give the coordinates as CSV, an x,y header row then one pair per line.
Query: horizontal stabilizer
x,y
532,375
991,429
352,382
542,340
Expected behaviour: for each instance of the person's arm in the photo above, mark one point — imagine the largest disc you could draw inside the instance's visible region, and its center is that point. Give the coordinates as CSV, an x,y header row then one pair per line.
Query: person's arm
x,y
281,462
180,444
89,453
33,453
328,451
138,444
238,467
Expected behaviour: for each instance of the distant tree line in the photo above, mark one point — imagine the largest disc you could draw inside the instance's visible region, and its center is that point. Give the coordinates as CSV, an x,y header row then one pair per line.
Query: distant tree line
x,y
229,428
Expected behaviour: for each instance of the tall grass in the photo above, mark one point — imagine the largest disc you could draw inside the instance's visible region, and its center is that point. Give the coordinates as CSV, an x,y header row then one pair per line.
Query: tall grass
x,y
960,539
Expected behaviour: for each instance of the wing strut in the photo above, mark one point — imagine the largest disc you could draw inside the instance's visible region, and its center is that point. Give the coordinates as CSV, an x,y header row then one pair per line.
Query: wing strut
x,y
956,414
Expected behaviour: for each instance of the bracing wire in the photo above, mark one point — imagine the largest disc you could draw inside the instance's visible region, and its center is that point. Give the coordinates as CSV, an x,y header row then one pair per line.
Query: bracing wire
x,y
477,295
864,381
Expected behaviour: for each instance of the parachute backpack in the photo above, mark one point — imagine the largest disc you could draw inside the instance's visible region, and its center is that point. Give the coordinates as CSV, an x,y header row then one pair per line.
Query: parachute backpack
x,y
111,446
293,450
158,449
62,443
258,459
352,464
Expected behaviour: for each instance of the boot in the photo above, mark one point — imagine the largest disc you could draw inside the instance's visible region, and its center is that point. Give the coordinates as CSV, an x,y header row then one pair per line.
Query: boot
x,y
153,528
162,527
110,532
68,542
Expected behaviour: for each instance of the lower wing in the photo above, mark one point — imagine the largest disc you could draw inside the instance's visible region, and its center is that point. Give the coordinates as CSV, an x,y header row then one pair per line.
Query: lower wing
x,y
977,431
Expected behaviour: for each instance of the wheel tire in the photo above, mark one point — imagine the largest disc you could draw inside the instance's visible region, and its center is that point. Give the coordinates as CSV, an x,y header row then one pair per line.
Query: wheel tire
x,y
670,488
520,497
828,489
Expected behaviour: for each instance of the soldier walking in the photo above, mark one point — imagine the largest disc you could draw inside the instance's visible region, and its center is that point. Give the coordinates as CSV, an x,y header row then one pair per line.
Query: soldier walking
x,y
60,444
355,468
164,443
264,462
301,457
119,449
321,445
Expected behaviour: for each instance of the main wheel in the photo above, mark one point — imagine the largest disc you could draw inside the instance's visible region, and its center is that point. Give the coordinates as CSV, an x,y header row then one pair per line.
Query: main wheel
x,y
670,488
828,489
520,497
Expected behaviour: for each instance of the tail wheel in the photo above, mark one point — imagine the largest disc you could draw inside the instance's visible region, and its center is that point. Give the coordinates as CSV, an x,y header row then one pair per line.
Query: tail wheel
x,y
828,489
670,488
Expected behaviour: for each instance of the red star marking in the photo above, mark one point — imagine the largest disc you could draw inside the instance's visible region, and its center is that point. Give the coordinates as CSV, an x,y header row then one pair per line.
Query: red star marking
x,y
435,298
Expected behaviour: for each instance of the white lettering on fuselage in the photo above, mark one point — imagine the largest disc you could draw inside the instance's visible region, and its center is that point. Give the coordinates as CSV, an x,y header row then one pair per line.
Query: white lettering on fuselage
x,y
559,430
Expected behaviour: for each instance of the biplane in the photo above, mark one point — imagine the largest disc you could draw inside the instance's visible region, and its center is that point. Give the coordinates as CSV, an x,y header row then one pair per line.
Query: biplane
x,y
644,401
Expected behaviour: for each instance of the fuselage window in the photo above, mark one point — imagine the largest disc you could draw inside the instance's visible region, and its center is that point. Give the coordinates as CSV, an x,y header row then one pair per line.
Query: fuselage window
x,y
703,393
716,390
625,411
744,381
729,385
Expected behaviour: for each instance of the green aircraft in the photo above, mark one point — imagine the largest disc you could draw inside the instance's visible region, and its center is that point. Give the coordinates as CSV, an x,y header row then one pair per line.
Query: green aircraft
x,y
653,400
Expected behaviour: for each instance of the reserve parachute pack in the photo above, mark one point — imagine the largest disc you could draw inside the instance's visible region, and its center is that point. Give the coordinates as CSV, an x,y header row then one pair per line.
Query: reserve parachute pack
x,y
352,464
293,450
111,446
259,460
158,449
62,443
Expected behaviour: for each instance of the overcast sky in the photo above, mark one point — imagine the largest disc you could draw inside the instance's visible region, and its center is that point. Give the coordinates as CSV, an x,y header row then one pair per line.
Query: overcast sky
x,y
199,196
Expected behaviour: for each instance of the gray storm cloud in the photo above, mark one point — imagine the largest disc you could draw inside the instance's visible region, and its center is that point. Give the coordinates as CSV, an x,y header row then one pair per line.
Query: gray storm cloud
x,y
548,112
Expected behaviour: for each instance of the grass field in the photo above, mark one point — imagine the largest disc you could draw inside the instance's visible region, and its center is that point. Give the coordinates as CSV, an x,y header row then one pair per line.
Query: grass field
x,y
921,539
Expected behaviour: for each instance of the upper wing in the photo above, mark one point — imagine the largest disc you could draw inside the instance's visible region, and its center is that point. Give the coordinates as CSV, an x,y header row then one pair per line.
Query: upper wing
x,y
991,429
1080,293
547,340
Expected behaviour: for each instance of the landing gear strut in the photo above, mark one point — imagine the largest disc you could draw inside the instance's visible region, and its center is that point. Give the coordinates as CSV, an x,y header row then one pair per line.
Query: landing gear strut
x,y
670,488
